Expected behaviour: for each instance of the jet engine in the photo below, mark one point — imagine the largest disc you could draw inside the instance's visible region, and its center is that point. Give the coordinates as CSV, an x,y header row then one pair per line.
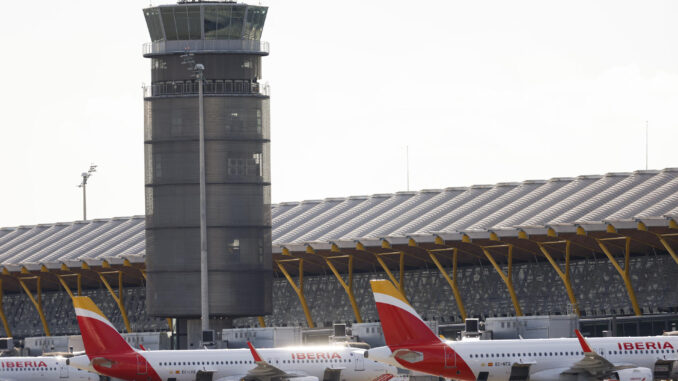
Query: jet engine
x,y
302,378
381,354
634,374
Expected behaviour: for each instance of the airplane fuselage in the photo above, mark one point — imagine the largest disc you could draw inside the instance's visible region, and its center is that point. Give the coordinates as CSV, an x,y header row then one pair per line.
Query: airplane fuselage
x,y
41,368
184,365
547,359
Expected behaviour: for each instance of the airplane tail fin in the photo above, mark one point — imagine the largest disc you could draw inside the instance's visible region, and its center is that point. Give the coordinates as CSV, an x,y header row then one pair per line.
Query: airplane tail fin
x,y
399,321
98,334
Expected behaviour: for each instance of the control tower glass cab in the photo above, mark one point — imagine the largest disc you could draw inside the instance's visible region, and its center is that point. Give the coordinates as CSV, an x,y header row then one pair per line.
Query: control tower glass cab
x,y
225,38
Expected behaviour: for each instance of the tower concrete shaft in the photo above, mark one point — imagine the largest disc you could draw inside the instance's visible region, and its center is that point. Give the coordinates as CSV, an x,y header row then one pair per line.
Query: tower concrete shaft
x,y
224,38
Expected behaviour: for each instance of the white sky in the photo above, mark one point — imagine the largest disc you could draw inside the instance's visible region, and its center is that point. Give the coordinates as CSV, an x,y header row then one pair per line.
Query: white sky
x,y
480,91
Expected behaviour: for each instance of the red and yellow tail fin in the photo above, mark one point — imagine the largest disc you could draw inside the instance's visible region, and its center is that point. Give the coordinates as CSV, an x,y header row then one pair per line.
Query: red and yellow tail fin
x,y
98,334
401,324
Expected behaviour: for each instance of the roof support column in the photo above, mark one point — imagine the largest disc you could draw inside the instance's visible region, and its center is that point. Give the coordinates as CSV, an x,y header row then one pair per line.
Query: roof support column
x,y
299,289
347,287
118,298
452,282
506,277
37,303
262,322
5,324
79,279
668,247
564,275
398,283
625,272
64,285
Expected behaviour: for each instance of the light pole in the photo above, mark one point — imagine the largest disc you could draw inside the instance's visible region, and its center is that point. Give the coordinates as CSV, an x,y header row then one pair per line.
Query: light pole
x,y
83,185
199,69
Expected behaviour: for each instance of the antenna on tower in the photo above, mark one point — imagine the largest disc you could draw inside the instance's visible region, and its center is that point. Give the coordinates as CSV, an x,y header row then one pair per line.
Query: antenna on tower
x,y
407,166
647,145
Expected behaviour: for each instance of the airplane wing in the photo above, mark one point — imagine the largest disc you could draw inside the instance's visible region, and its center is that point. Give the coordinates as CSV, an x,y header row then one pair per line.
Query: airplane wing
x,y
264,370
593,363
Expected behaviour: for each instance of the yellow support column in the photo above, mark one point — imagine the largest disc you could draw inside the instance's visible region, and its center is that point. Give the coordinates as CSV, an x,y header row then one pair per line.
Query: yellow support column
x,y
667,246
262,322
398,283
5,324
506,277
452,282
564,275
118,298
64,285
299,289
347,287
37,303
625,272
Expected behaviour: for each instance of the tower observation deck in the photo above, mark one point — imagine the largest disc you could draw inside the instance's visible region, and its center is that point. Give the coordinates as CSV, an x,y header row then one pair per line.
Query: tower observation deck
x,y
225,38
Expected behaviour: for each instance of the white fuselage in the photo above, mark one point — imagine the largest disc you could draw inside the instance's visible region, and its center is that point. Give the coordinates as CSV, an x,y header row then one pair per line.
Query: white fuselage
x,y
544,355
41,368
183,365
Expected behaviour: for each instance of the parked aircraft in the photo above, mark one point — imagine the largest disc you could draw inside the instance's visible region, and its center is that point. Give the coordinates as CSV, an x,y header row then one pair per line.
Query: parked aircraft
x,y
109,354
41,368
411,344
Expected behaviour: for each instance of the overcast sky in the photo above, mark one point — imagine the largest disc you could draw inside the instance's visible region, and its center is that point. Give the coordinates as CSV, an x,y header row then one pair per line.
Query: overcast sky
x,y
480,91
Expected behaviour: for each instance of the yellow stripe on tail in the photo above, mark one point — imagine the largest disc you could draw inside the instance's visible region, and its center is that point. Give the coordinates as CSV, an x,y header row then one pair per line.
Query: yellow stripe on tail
x,y
85,303
385,287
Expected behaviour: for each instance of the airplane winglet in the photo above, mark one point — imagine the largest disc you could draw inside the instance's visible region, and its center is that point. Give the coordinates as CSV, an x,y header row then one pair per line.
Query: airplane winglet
x,y
584,345
255,354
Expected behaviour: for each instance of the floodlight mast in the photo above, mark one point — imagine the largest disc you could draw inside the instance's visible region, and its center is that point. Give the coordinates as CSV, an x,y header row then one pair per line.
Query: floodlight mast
x,y
83,185
198,69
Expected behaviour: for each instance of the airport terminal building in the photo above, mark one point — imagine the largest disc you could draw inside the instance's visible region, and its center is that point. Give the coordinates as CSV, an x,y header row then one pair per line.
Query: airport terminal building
x,y
598,246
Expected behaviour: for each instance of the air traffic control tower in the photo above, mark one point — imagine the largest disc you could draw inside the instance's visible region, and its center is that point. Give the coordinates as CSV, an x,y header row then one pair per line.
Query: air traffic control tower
x,y
224,37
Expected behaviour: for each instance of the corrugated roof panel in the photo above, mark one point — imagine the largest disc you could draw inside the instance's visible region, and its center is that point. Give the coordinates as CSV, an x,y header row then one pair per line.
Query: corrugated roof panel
x,y
566,186
518,199
81,230
374,229
605,195
377,205
292,223
431,211
22,235
294,211
649,181
51,251
396,226
332,229
653,204
367,221
12,233
133,243
4,232
482,206
278,209
86,244
22,252
585,188
447,213
305,230
110,235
